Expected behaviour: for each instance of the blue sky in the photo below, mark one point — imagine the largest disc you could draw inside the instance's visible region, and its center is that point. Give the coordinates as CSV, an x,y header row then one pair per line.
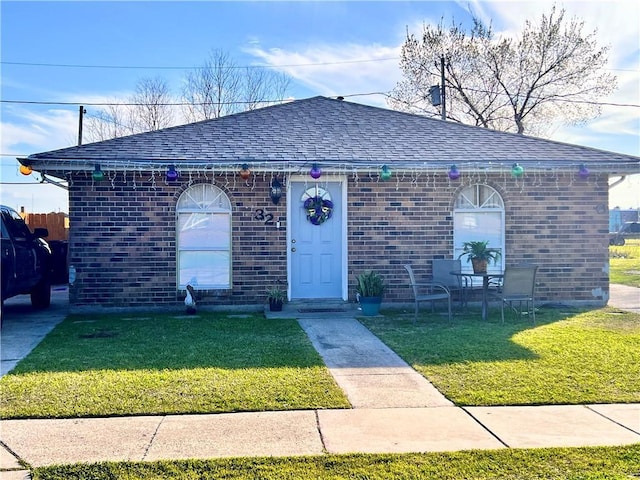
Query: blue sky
x,y
328,48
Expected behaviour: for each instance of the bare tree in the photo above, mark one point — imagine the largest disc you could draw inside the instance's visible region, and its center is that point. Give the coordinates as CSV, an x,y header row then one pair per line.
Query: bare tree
x,y
551,72
262,87
151,107
212,90
109,122
220,88
216,89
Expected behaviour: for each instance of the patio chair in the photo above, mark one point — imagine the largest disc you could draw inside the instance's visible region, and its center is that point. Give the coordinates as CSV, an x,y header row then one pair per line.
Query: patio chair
x,y
458,285
427,292
518,288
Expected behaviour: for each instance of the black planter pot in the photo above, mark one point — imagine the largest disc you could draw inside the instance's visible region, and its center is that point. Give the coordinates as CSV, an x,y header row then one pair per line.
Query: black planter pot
x,y
275,305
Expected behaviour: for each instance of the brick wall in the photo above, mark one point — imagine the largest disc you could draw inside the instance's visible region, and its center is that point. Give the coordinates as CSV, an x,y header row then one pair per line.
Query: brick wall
x,y
122,240
555,222
123,243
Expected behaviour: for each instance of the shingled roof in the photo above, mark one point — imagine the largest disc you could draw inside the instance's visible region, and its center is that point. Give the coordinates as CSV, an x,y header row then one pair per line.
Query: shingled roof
x,y
326,131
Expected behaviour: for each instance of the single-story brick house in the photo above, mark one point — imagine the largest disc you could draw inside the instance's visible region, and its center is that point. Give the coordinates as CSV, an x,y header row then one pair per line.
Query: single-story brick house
x,y
361,188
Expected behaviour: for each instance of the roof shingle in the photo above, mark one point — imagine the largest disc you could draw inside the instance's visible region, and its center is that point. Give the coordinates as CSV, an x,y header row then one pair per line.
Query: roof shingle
x,y
320,129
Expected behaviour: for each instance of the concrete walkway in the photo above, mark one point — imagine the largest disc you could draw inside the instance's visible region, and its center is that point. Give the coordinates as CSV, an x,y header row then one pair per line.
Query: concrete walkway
x,y
394,410
624,297
370,373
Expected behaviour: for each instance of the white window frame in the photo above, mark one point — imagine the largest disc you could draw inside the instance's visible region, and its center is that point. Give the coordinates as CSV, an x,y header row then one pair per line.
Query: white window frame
x,y
203,202
472,204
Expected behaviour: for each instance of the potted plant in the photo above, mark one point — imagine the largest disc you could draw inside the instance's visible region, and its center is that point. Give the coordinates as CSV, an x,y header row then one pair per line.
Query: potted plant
x,y
276,297
370,287
480,255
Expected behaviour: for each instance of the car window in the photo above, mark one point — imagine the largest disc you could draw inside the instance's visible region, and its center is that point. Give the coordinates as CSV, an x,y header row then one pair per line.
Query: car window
x,y
5,234
16,226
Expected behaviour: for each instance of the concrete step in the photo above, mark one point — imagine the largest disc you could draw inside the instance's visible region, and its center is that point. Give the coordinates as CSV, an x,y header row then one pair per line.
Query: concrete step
x,y
312,308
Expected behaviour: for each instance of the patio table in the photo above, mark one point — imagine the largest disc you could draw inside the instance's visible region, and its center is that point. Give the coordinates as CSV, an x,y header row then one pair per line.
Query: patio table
x,y
485,287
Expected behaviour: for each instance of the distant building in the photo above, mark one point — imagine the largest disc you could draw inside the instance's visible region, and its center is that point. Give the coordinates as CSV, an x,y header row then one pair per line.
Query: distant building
x,y
618,217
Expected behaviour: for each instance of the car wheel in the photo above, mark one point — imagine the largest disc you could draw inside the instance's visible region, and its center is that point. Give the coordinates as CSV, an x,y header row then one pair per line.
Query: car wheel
x,y
41,295
618,240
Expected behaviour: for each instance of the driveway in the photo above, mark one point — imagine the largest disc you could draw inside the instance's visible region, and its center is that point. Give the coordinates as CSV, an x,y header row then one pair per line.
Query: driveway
x,y
24,327
624,297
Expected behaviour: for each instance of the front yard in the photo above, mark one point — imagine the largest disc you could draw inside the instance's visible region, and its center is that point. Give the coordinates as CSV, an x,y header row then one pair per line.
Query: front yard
x,y
566,358
212,363
121,365
133,365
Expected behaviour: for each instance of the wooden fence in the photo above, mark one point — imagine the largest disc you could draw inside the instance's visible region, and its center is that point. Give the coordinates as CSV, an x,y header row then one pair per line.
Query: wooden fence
x,y
56,223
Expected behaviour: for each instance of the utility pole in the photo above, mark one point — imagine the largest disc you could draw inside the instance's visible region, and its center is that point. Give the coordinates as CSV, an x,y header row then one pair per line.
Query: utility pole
x,y
444,97
81,115
437,93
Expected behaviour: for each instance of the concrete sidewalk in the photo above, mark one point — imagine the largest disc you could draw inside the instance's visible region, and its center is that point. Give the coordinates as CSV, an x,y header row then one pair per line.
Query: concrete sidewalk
x,y
366,430
394,410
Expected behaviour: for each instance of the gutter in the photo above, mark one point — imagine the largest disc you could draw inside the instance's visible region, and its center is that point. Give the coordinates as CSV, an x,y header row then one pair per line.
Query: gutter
x,y
44,179
350,166
618,182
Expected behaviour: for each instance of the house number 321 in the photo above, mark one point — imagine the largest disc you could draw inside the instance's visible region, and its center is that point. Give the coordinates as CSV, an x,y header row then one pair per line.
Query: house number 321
x,y
263,216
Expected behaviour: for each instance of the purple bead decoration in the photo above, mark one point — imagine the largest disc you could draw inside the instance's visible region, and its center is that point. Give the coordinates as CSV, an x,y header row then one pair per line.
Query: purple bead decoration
x,y
583,172
172,174
315,172
454,173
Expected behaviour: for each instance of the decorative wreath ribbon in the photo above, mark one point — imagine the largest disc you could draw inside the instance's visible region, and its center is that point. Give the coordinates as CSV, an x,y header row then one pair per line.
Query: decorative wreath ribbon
x,y
318,209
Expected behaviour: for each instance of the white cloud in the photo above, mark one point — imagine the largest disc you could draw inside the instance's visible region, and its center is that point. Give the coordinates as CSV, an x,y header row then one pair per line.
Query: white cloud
x,y
31,131
341,69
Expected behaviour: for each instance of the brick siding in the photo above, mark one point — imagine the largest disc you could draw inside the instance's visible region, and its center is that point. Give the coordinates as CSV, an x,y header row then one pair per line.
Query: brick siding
x,y
122,241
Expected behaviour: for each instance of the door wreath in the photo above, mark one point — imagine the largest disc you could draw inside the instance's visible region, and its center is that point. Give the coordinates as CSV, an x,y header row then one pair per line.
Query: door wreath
x,y
318,205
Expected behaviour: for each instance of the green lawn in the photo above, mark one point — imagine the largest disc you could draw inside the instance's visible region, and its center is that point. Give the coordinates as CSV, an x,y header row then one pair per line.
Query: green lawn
x,y
128,365
611,463
624,263
119,365
566,358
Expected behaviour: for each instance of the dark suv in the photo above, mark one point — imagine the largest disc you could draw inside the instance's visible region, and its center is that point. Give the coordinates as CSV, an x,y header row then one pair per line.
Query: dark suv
x,y
26,260
627,230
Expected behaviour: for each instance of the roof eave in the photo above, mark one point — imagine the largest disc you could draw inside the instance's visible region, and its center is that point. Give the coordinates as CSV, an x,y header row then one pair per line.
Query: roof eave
x,y
334,166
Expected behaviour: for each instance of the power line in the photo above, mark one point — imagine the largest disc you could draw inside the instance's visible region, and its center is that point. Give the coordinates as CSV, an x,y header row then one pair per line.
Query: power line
x,y
172,67
202,67
134,104
178,104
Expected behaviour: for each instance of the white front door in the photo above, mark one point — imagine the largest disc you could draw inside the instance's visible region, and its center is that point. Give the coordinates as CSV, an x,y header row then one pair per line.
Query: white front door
x,y
316,240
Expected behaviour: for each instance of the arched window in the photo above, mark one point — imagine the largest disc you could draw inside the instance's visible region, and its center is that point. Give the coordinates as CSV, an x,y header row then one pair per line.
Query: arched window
x,y
479,216
203,234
